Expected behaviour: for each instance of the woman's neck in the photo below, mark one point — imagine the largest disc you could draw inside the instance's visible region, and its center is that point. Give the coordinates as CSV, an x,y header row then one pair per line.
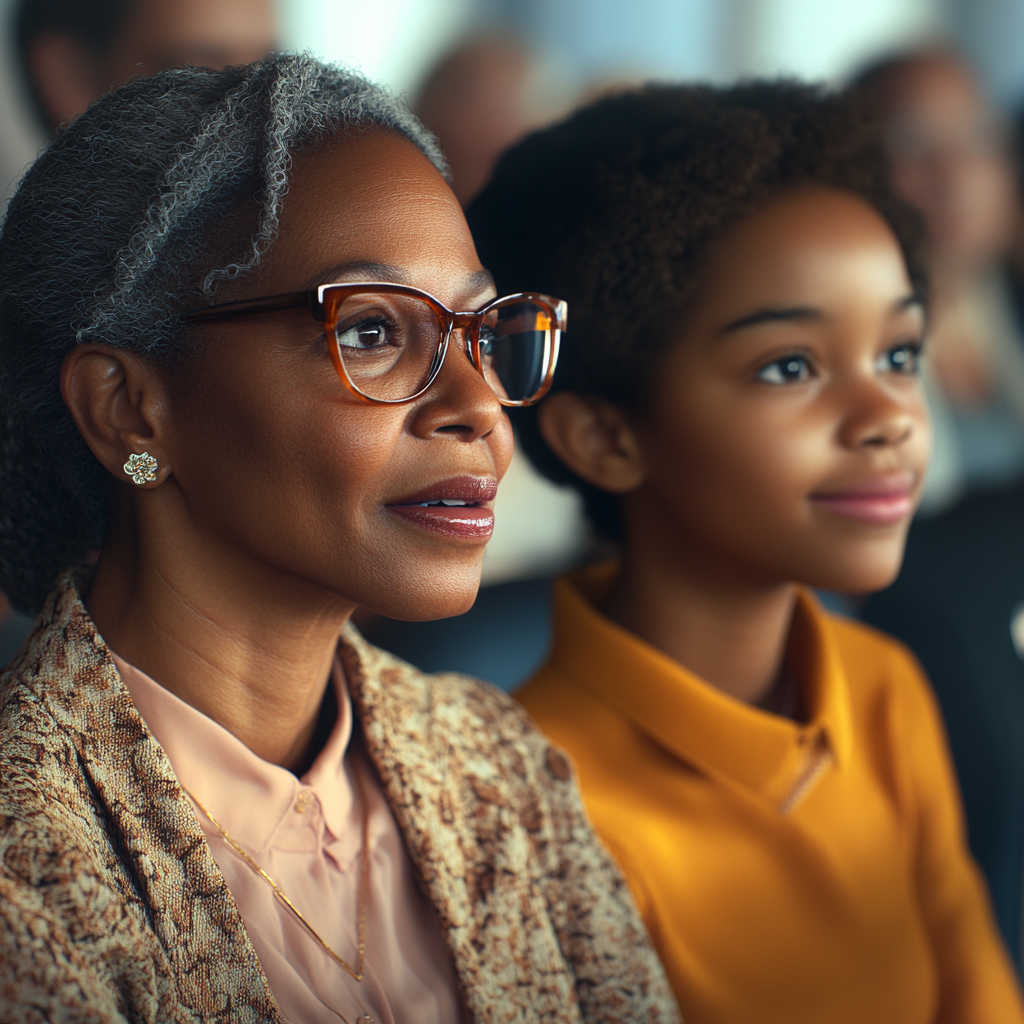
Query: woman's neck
x,y
726,628
248,647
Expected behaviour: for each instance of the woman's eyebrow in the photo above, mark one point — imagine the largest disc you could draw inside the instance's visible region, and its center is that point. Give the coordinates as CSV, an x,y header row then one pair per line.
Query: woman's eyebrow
x,y
365,269
785,314
372,271
479,281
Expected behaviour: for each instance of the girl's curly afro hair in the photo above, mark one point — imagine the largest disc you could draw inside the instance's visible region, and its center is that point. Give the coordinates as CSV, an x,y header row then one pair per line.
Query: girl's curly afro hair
x,y
615,209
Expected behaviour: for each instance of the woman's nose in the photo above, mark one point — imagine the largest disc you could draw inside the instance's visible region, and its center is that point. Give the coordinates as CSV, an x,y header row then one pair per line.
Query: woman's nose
x,y
459,401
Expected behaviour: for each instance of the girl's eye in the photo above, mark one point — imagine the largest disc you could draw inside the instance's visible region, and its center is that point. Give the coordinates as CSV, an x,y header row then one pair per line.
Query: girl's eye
x,y
365,337
905,358
787,370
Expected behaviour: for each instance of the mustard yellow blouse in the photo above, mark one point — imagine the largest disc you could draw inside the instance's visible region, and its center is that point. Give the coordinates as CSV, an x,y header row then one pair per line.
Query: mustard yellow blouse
x,y
794,873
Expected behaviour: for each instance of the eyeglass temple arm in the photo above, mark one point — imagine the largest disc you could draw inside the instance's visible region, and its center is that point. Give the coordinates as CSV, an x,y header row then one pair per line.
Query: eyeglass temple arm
x,y
270,304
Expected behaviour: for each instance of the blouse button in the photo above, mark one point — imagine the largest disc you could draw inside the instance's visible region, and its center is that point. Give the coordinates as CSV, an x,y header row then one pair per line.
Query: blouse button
x,y
304,801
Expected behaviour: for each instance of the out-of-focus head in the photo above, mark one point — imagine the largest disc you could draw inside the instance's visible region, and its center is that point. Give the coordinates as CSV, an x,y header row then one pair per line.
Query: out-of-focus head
x,y
950,153
476,101
73,51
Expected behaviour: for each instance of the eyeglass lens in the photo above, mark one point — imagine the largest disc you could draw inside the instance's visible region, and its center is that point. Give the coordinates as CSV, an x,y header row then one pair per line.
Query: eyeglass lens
x,y
389,345
515,346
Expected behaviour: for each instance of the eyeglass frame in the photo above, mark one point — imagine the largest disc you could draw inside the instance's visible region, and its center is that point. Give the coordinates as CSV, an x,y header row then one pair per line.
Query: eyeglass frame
x,y
467,321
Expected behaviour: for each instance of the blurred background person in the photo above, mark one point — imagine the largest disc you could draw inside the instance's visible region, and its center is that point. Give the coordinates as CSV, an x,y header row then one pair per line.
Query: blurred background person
x,y
952,159
477,102
957,601
959,605
71,52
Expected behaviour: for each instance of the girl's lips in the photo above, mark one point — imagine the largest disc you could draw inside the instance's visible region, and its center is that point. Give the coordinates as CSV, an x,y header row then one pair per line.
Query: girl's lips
x,y
459,507
881,501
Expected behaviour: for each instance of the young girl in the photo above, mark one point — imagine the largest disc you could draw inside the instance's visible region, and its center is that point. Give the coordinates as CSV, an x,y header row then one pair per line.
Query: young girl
x,y
739,404
249,354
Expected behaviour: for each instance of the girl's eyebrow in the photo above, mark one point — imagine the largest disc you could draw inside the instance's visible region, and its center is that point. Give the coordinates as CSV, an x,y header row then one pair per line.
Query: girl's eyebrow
x,y
786,314
803,314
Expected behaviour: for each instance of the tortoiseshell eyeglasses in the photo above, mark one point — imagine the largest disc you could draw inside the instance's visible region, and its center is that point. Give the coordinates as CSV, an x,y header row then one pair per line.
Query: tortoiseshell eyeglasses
x,y
389,341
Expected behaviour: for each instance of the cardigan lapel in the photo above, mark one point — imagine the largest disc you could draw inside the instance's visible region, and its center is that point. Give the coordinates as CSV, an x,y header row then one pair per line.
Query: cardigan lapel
x,y
152,830
457,809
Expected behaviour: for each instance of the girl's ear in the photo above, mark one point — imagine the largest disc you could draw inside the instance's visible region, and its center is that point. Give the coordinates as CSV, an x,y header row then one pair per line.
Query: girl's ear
x,y
594,438
117,401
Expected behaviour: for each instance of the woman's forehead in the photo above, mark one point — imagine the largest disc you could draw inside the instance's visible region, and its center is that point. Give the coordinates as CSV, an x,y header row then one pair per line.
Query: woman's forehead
x,y
370,197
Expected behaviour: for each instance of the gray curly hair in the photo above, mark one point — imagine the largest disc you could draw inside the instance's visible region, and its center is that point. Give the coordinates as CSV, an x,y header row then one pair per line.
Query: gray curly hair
x,y
139,210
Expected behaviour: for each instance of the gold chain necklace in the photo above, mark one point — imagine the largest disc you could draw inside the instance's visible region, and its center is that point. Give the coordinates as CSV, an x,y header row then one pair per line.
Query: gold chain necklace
x,y
363,898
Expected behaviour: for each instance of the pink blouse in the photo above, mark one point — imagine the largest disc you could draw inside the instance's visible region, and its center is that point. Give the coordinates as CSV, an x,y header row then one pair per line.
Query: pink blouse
x,y
307,835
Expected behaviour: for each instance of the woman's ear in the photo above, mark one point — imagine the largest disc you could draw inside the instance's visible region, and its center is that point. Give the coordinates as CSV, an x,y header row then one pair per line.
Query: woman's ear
x,y
594,439
118,402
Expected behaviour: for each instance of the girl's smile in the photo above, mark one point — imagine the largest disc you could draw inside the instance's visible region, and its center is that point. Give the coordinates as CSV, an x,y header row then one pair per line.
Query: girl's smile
x,y
884,500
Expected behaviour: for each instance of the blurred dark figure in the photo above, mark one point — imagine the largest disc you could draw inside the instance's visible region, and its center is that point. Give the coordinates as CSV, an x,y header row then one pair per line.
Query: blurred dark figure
x,y
14,629
476,101
73,51
952,159
959,605
959,597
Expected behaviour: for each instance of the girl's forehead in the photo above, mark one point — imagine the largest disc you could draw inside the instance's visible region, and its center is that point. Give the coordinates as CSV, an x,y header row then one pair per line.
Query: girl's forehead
x,y
799,230
820,251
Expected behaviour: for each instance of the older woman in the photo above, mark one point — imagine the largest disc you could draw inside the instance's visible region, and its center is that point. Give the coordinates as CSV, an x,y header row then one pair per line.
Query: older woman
x,y
230,366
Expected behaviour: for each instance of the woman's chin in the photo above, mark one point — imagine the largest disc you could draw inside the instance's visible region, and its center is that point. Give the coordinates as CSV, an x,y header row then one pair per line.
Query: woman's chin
x,y
421,596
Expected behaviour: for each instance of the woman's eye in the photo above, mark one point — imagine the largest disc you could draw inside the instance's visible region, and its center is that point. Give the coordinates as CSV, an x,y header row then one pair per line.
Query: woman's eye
x,y
788,370
486,342
905,358
364,337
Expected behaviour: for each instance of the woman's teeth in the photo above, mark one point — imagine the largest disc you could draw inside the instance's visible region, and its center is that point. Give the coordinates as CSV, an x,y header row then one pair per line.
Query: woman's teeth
x,y
447,502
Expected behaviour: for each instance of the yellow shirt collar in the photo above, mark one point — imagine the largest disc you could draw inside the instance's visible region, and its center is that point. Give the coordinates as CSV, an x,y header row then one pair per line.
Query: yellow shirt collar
x,y
709,730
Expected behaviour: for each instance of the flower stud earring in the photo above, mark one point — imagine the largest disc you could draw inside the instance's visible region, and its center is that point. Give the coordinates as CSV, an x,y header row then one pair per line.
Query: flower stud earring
x,y
141,468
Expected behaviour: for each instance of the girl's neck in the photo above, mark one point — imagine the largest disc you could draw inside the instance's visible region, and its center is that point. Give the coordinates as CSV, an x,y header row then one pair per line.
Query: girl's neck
x,y
728,629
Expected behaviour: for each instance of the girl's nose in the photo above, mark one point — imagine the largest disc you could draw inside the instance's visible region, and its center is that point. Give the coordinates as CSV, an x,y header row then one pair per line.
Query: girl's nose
x,y
879,418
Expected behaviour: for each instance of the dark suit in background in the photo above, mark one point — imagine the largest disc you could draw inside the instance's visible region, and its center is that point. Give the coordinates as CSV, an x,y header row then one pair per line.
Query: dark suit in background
x,y
961,586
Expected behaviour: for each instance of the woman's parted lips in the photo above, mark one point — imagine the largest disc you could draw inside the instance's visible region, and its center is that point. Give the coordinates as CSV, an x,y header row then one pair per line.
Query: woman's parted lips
x,y
884,499
468,490
456,507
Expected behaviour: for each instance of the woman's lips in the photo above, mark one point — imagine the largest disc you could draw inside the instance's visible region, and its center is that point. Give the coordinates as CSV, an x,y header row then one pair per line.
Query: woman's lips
x,y
882,500
458,507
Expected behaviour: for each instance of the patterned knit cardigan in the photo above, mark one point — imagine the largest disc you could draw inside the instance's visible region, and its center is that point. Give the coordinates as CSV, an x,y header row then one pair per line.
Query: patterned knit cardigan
x,y
113,909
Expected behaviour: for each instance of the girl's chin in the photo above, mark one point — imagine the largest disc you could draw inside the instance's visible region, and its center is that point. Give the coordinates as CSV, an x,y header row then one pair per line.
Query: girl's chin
x,y
856,583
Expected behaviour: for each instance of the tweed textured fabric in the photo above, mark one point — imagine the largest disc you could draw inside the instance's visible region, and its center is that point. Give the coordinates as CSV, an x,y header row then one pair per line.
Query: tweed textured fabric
x,y
113,909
